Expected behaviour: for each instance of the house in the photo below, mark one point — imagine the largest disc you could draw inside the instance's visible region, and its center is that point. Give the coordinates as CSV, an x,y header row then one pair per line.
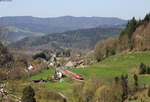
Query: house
x,y
69,65
31,67
59,74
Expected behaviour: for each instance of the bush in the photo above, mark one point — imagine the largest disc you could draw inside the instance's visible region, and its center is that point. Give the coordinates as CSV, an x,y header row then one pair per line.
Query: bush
x,y
28,94
17,74
45,95
39,55
105,48
85,92
135,80
3,76
144,69
108,93
99,51
148,92
94,90
147,18
6,59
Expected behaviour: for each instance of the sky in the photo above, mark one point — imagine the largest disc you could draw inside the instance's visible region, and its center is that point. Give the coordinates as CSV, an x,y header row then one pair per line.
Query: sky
x,y
124,9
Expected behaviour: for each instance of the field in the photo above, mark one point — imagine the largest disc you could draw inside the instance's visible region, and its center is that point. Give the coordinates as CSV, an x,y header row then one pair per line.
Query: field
x,y
117,65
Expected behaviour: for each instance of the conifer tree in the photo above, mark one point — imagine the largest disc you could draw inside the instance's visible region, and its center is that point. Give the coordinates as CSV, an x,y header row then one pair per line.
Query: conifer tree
x,y
135,80
142,69
124,84
147,18
148,92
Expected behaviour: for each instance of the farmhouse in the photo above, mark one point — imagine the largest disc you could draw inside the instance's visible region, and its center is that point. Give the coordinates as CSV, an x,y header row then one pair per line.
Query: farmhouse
x,y
69,65
31,67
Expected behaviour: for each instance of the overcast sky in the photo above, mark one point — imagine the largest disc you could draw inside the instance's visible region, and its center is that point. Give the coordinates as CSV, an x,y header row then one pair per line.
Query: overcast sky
x,y
51,8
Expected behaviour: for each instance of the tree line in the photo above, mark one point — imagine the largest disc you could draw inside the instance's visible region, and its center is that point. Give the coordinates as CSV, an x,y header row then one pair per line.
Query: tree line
x,y
144,69
125,41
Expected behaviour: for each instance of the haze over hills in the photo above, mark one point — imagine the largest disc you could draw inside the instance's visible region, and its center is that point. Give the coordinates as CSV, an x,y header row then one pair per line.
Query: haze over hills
x,y
11,34
85,29
74,59
83,39
58,24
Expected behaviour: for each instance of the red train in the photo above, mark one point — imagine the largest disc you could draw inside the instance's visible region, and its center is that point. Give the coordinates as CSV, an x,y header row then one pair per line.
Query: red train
x,y
69,73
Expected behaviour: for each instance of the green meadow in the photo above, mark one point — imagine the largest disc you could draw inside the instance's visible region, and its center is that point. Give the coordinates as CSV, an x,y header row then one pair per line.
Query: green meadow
x,y
107,69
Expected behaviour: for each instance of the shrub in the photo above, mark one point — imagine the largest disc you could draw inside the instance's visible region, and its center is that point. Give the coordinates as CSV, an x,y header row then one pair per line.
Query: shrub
x,y
94,90
39,55
147,18
16,74
108,93
45,95
3,75
124,85
135,80
148,92
117,79
85,92
99,51
28,94
142,69
6,59
148,70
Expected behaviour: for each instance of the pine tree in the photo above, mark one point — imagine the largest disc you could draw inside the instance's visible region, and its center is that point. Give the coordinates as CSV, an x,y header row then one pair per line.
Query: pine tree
x,y
117,79
135,80
28,94
142,69
148,70
124,84
148,92
147,18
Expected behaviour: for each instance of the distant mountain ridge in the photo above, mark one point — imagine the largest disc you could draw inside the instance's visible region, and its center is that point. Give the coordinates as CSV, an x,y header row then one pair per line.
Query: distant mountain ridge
x,y
58,24
82,39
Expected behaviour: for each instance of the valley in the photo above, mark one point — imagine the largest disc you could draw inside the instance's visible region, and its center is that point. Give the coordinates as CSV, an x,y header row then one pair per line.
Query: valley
x,y
106,71
74,59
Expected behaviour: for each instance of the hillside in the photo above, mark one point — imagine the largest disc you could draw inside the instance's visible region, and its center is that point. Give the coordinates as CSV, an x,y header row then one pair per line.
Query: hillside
x,y
12,34
135,37
111,67
58,24
106,70
141,37
83,39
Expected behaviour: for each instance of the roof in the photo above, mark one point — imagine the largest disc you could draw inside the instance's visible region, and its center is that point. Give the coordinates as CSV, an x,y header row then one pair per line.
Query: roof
x,y
69,64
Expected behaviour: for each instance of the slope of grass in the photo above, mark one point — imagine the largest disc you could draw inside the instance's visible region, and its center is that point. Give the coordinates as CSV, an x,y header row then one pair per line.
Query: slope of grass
x,y
117,65
106,70
43,75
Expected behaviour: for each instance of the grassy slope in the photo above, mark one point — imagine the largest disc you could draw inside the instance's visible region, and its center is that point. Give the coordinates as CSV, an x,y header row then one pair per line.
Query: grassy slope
x,y
106,70
117,65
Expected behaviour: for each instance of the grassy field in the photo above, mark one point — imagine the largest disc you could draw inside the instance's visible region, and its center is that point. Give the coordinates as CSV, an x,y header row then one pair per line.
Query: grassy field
x,y
117,65
43,75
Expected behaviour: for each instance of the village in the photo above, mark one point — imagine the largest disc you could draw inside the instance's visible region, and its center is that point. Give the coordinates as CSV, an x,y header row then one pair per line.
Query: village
x,y
61,65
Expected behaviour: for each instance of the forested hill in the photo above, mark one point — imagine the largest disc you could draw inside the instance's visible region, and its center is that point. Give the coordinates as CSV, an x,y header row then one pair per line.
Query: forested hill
x,y
83,39
10,34
135,37
58,24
